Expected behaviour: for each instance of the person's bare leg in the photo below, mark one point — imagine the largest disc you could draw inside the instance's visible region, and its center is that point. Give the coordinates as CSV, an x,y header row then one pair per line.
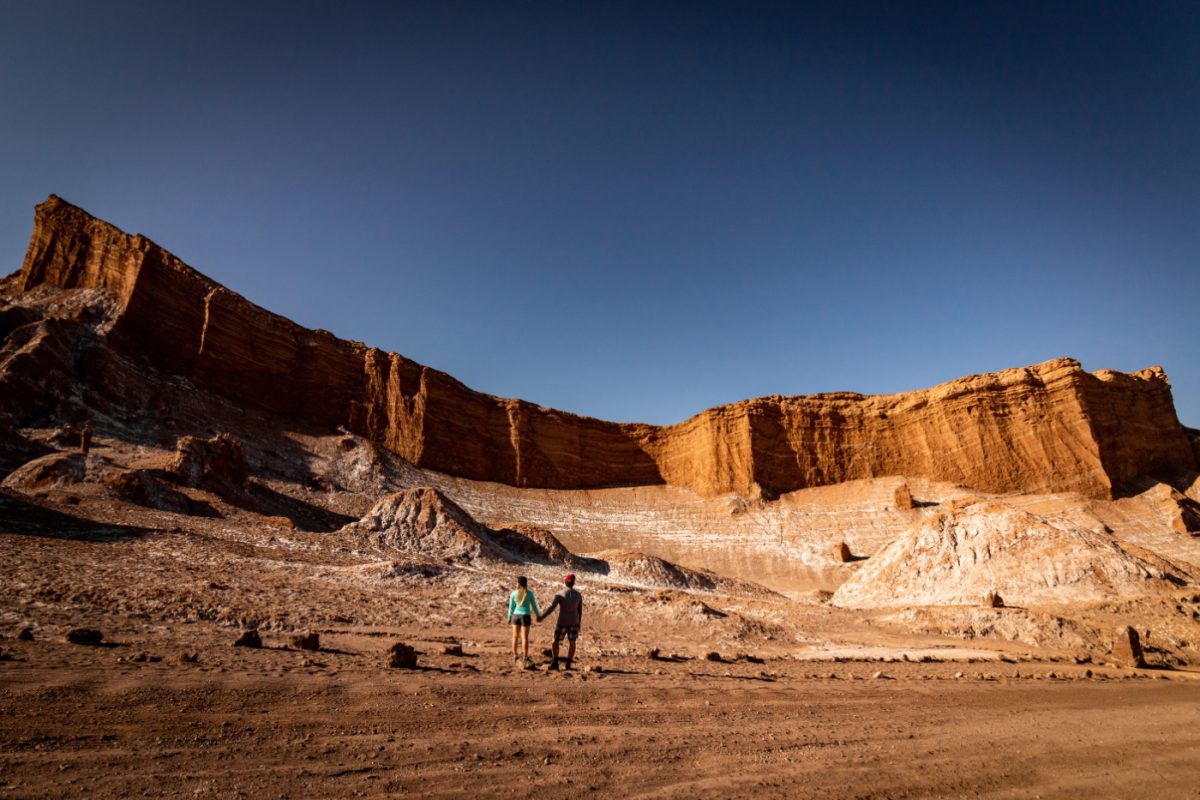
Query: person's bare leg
x,y
571,652
516,633
525,641
554,650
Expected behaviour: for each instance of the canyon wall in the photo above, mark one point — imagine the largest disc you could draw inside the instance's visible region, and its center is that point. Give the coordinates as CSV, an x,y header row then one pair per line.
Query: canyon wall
x,y
1050,427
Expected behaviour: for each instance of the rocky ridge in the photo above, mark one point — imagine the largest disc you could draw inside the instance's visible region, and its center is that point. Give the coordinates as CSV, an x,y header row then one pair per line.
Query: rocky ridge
x,y
1049,427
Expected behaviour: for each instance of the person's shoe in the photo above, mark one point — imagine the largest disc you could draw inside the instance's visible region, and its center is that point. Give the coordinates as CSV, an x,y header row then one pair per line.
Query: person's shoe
x,y
553,665
566,663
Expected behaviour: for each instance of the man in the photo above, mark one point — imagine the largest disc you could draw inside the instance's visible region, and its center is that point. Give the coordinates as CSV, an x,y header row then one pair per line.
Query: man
x,y
570,613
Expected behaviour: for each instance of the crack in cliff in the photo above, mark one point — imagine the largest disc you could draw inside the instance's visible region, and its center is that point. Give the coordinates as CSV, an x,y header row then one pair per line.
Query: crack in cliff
x,y
207,317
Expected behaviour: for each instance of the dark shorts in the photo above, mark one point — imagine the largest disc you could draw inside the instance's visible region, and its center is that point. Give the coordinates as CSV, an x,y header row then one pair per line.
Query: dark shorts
x,y
570,631
520,619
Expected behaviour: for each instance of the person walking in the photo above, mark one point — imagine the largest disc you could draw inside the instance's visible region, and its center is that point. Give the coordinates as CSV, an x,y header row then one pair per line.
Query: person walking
x,y
522,607
569,603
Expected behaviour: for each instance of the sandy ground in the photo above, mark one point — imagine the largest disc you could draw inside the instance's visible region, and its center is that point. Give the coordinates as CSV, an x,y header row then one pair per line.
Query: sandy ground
x,y
89,722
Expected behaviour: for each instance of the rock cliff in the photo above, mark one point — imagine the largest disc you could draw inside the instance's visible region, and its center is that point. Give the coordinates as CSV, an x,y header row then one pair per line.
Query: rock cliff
x,y
1050,427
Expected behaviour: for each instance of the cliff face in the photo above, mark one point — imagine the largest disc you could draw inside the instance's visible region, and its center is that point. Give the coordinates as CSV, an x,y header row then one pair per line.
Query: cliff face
x,y
1048,427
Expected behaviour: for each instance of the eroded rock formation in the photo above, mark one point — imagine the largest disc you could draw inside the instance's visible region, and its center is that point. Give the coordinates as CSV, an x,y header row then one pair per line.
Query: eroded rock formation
x,y
1051,427
964,553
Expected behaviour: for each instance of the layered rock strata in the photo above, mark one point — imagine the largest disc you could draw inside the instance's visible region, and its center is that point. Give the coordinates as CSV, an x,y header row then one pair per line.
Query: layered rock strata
x,y
1050,427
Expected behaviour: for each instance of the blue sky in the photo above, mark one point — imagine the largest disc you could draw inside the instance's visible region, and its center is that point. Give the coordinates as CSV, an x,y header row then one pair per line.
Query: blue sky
x,y
638,211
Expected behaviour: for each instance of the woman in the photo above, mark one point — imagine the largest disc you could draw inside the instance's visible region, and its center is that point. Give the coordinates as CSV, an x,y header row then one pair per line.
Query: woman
x,y
522,608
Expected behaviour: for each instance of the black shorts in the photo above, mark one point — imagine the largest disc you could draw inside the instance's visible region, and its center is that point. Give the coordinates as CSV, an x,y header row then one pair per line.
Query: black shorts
x,y
520,619
570,631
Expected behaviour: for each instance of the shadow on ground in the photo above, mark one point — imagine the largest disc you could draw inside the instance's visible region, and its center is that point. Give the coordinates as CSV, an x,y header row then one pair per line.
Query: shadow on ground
x,y
18,515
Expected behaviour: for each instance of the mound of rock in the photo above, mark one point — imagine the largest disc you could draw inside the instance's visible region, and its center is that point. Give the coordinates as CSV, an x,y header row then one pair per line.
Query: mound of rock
x,y
531,543
649,570
217,464
965,553
1181,512
53,471
424,521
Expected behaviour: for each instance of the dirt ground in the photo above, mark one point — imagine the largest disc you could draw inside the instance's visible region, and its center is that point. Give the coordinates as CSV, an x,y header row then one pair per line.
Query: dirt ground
x,y
804,699
282,723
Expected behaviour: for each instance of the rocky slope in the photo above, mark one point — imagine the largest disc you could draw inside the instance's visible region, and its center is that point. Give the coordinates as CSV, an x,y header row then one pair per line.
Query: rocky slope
x,y
964,554
1051,427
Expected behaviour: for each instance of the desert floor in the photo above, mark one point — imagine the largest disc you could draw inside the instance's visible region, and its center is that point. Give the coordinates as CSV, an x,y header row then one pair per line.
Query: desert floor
x,y
93,722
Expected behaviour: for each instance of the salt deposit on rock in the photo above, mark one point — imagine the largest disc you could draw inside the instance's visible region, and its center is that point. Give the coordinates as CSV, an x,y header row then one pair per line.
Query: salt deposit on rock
x,y
965,553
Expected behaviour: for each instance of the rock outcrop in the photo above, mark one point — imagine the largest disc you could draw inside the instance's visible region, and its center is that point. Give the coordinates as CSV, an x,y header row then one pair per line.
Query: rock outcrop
x,y
426,522
648,570
962,554
1051,427
217,464
53,471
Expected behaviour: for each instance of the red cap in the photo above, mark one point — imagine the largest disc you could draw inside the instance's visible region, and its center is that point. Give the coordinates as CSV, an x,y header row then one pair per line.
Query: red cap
x,y
570,579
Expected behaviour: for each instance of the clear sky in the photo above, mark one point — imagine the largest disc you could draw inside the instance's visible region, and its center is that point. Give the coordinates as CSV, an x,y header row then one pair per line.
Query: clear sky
x,y
637,211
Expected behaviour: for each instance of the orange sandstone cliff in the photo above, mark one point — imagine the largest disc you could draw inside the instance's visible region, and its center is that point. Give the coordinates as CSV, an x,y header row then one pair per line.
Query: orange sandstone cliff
x,y
1050,427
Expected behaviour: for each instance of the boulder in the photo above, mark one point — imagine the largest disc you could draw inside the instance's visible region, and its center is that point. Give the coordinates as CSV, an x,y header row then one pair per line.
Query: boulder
x,y
400,656
902,498
993,600
1127,648
452,650
86,636
217,464
26,634
841,553
306,641
249,638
